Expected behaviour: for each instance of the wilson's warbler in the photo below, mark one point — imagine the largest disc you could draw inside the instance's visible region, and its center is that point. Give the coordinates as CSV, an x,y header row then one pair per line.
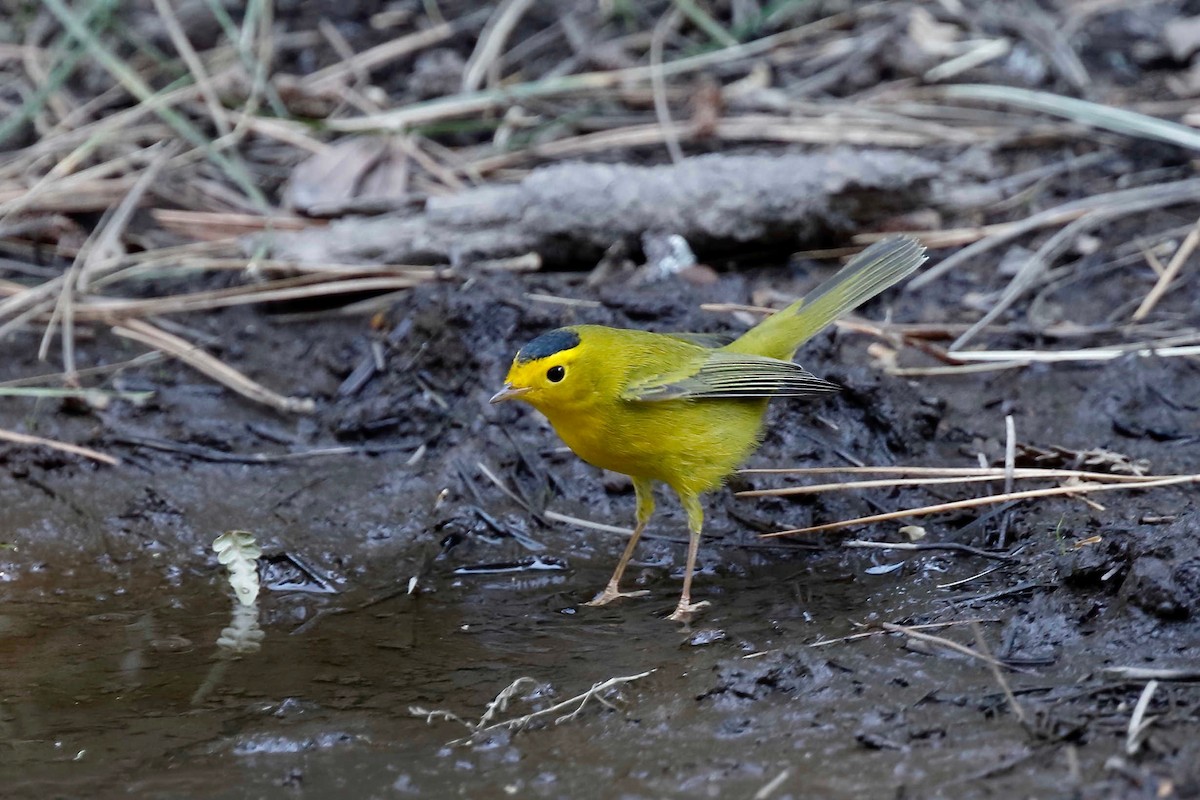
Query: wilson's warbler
x,y
673,407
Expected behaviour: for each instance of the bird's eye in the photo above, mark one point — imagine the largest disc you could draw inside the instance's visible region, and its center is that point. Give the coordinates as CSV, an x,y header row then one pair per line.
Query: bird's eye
x,y
555,374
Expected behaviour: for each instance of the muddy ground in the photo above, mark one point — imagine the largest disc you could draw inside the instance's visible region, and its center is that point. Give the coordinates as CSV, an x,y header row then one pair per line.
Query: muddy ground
x,y
113,601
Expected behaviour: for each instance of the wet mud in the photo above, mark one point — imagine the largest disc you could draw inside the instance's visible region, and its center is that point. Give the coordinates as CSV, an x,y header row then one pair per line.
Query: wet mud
x,y
787,686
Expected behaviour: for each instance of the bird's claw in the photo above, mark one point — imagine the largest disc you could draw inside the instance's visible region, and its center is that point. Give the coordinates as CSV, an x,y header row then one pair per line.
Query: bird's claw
x,y
685,610
611,593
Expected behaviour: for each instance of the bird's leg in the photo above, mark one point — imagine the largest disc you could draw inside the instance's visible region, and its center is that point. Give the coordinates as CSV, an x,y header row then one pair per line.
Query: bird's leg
x,y
695,512
644,491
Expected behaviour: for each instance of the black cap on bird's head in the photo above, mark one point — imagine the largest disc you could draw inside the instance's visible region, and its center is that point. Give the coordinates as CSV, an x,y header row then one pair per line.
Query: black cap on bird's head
x,y
530,369
548,344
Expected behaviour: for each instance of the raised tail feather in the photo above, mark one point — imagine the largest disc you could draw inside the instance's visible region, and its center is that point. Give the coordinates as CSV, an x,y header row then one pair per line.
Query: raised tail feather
x,y
881,265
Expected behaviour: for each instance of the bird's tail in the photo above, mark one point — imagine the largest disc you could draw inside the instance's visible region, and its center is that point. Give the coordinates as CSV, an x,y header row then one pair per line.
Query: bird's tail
x,y
867,274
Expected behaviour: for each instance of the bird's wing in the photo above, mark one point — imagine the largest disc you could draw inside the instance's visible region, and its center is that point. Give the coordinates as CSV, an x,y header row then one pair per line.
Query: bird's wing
x,y
710,340
731,375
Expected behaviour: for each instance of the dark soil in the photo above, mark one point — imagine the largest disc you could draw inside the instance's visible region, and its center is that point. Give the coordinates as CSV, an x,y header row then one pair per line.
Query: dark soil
x,y
114,600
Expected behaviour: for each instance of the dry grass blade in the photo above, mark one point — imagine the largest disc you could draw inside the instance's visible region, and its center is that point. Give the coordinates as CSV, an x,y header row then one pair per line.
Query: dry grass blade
x,y
49,195
586,523
1164,348
994,665
79,394
877,631
499,484
332,76
935,471
821,488
934,476
742,128
942,641
1164,280
203,82
1153,673
1139,482
916,547
297,288
26,303
1117,120
662,111
1158,196
962,369
57,377
987,50
193,356
74,449
217,226
102,248
1138,722
705,22
491,42
105,247
136,85
1037,264
470,103
501,701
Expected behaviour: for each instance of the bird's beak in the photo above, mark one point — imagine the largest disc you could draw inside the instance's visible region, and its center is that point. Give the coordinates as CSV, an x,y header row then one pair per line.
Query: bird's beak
x,y
508,392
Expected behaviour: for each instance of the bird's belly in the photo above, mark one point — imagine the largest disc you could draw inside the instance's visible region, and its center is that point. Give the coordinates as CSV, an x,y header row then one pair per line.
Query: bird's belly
x,y
691,446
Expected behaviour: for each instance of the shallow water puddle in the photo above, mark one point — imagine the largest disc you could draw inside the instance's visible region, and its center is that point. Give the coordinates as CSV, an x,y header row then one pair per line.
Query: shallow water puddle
x,y
106,686
111,676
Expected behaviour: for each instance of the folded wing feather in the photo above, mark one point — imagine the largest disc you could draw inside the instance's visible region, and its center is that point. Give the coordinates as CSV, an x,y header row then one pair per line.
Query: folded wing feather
x,y
731,375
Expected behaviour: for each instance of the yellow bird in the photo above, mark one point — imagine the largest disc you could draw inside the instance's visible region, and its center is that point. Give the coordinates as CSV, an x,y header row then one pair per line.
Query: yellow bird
x,y
671,407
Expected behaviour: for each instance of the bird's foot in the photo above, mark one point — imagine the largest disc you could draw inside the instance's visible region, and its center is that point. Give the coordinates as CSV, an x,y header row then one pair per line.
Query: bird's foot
x,y
686,610
610,593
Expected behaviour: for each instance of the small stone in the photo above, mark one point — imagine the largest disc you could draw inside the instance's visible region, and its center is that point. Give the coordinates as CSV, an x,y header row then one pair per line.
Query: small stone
x,y
1152,587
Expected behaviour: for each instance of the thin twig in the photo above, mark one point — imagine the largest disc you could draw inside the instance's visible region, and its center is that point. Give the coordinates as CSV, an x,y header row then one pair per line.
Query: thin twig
x,y
38,441
994,665
1150,482
989,472
1118,120
203,83
1037,264
1153,673
918,546
971,579
233,166
953,476
103,246
1010,462
877,631
286,289
586,523
329,78
941,641
1164,280
193,356
1027,357
658,83
500,703
1138,722
491,42
499,484
55,377
742,128
480,102
1184,191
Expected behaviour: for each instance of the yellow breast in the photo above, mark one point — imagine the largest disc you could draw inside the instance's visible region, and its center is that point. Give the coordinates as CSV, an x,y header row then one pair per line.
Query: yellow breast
x,y
690,445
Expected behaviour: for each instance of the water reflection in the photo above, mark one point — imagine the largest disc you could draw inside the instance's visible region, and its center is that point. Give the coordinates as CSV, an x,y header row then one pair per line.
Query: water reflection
x,y
165,683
